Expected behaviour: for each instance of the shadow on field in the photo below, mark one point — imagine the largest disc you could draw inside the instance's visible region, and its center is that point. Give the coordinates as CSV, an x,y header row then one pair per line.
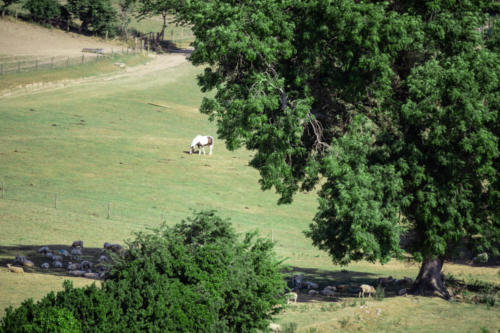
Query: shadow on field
x,y
350,280
9,253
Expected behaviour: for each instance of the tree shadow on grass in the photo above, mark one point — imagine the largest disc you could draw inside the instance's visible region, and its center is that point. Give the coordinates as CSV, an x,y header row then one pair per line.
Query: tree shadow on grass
x,y
350,279
8,254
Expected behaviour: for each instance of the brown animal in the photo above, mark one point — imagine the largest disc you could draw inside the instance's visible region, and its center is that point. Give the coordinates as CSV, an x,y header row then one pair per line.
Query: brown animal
x,y
15,269
28,263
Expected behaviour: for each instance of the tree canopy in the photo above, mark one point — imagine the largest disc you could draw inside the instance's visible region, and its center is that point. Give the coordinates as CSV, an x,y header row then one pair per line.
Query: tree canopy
x,y
391,107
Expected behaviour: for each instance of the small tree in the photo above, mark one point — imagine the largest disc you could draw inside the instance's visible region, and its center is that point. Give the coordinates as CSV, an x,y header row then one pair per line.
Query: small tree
x,y
126,9
149,8
43,11
97,16
5,4
197,276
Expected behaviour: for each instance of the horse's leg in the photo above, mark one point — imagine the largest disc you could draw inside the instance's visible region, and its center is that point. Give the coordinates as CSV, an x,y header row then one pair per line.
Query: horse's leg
x,y
210,153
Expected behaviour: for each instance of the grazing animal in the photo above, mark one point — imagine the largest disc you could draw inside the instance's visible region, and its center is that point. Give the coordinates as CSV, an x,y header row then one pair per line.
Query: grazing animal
x,y
311,285
76,253
43,249
19,259
116,248
49,255
275,327
312,292
57,258
64,253
291,297
28,263
45,265
366,289
86,264
384,282
91,275
76,273
15,269
77,243
107,246
73,267
57,264
201,142
103,258
327,292
297,280
343,287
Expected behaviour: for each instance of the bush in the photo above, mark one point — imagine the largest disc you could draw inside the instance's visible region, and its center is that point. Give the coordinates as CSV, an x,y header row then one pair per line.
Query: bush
x,y
43,11
198,276
210,280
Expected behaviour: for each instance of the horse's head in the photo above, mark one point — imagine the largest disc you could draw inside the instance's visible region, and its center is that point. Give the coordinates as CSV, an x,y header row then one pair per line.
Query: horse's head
x,y
191,149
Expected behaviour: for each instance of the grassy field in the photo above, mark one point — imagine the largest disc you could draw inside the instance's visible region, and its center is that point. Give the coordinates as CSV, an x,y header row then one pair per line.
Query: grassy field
x,y
101,144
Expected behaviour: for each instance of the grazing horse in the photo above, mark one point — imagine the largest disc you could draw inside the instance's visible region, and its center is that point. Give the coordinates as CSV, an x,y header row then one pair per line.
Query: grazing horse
x,y
201,141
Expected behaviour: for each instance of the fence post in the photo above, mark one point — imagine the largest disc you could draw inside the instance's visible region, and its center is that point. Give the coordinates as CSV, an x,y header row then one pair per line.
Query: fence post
x,y
3,190
83,58
109,210
55,201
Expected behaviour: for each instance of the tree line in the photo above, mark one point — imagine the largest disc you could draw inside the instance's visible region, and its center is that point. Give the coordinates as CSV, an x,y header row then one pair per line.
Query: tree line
x,y
96,17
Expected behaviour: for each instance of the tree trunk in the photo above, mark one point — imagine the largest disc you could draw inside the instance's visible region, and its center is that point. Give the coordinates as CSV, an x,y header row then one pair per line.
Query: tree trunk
x,y
162,33
430,281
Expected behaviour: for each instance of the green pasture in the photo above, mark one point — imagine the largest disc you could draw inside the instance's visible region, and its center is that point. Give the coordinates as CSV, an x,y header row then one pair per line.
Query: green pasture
x,y
99,161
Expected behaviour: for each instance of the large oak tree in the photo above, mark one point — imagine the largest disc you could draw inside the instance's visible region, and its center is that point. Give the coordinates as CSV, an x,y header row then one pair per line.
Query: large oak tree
x,y
392,108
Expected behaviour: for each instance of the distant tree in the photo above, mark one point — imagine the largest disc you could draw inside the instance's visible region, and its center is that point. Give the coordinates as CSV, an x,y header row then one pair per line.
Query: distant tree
x,y
149,8
43,11
5,4
97,16
392,107
127,7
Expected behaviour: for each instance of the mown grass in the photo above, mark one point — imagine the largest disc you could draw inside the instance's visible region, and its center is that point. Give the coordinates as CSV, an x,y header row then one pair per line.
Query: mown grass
x,y
92,67
104,143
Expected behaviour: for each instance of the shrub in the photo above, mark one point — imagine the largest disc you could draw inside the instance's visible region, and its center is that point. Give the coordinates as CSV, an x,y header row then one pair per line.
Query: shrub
x,y
43,11
198,276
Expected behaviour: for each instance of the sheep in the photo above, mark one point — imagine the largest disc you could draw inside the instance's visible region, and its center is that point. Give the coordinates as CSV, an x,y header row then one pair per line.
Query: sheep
x,y
107,246
291,296
86,264
57,258
327,292
297,280
384,282
43,249
76,253
311,285
331,288
77,243
73,267
103,258
275,327
19,259
57,264
405,282
28,263
49,255
15,269
64,253
116,248
313,292
91,275
343,287
402,292
45,265
366,289
76,273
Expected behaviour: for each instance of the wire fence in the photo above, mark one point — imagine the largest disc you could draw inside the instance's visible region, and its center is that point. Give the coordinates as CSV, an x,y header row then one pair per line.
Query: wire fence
x,y
19,64
33,64
82,203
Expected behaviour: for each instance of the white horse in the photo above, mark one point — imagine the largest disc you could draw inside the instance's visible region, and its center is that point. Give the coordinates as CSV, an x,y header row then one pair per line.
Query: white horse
x,y
201,141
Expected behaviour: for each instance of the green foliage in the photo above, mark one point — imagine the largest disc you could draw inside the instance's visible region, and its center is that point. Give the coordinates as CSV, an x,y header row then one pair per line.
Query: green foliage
x,y
97,16
197,276
43,10
5,4
393,104
200,276
379,293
